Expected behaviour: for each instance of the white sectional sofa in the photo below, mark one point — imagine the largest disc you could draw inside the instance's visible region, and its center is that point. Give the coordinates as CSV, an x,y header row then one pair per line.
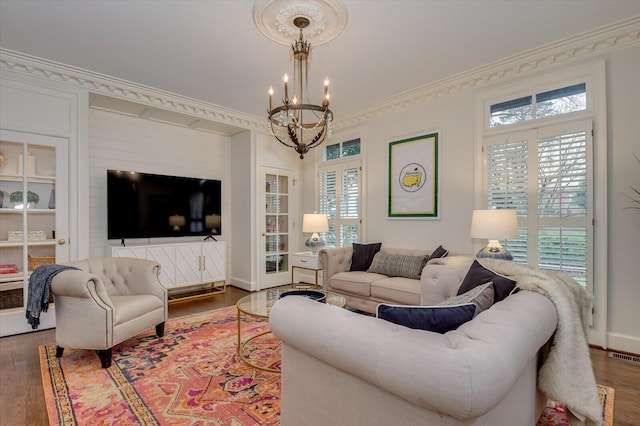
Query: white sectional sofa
x,y
344,368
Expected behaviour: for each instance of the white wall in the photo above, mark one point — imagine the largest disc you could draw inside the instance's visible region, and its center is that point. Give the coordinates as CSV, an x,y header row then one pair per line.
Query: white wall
x,y
127,143
623,92
453,116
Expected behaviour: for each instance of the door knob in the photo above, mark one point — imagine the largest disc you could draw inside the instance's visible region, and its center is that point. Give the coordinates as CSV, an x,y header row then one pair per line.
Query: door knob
x,y
62,241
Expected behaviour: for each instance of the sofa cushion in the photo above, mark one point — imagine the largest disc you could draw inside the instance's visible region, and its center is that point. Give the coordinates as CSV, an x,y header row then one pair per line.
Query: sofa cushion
x,y
481,296
438,253
439,319
397,290
356,282
398,265
363,256
478,275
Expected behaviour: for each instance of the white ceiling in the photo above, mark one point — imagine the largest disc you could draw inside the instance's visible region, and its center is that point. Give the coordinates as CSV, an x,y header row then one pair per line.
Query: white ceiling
x,y
212,51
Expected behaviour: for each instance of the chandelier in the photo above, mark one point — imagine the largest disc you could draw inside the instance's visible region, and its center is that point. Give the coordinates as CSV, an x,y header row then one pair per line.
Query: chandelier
x,y
298,123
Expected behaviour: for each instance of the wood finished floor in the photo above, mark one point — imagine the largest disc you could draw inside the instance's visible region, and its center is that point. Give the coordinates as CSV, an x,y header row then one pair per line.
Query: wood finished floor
x,y
22,396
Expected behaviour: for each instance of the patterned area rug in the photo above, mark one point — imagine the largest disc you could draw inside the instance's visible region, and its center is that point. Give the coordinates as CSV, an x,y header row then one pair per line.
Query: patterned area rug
x,y
193,375
555,414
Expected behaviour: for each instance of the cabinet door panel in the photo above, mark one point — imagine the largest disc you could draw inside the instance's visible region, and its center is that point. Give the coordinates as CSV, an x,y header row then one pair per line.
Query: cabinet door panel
x,y
213,268
165,256
188,264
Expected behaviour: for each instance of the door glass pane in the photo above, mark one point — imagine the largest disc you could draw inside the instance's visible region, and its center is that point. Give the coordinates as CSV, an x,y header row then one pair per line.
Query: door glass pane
x,y
27,216
276,223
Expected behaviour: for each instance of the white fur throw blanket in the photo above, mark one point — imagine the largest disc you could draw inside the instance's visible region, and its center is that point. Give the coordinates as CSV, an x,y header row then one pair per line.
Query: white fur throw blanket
x,y
567,374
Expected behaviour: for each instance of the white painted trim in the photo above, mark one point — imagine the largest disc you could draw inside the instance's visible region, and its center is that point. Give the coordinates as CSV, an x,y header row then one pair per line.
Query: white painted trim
x,y
624,343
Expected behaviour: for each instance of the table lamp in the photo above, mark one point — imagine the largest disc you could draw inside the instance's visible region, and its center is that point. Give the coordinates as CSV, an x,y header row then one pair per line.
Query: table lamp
x,y
494,225
315,223
177,221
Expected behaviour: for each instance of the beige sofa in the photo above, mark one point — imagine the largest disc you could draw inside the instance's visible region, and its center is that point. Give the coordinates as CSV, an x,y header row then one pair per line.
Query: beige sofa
x,y
344,368
364,290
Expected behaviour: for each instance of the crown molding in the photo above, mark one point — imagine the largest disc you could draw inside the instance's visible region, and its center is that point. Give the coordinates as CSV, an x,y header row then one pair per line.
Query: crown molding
x,y
103,84
616,36
587,45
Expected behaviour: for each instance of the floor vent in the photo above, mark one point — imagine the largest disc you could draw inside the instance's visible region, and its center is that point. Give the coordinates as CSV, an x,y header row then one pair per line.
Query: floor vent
x,y
625,357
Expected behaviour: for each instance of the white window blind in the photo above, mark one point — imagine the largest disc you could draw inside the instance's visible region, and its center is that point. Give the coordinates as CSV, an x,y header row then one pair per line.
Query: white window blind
x,y
545,174
340,200
507,179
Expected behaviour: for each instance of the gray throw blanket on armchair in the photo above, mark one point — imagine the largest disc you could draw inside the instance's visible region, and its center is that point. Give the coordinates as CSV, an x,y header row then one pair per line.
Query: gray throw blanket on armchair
x,y
39,291
566,375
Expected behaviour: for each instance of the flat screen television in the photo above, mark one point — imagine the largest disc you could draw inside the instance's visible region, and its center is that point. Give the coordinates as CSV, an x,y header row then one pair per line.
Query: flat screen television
x,y
142,205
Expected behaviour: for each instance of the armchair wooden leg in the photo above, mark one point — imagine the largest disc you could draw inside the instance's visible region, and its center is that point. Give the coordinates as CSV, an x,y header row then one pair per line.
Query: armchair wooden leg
x,y
105,357
160,329
59,351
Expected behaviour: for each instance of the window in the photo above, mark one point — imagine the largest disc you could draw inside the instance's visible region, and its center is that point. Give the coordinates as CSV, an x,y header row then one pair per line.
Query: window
x,y
550,103
542,149
342,149
545,175
340,186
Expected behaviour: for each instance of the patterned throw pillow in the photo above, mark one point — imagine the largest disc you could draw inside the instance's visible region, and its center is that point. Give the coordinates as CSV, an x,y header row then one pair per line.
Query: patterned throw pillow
x,y
481,296
398,265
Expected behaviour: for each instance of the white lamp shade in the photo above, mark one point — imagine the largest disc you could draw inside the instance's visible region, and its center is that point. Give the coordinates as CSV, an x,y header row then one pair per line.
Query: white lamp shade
x,y
494,224
315,222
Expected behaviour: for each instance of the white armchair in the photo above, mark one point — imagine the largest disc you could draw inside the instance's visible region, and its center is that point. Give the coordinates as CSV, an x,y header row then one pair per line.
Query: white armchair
x,y
107,301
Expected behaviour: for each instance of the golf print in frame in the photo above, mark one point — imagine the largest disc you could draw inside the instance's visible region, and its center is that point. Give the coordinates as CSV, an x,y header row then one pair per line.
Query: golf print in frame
x,y
413,177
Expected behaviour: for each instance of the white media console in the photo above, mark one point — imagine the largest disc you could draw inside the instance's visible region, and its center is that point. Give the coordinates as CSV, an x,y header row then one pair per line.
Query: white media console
x,y
188,270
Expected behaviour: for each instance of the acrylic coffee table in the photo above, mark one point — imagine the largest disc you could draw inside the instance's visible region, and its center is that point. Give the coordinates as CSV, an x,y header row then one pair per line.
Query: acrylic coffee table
x,y
259,305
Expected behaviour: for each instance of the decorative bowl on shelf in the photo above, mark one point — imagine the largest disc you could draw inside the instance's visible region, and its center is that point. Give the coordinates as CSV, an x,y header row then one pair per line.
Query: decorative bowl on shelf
x,y
32,198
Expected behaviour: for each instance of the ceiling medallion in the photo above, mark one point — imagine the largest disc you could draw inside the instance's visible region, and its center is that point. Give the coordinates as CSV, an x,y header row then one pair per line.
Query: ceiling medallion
x,y
275,19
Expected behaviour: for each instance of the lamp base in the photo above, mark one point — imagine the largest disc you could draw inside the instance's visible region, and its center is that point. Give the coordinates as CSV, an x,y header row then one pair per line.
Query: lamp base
x,y
314,243
494,253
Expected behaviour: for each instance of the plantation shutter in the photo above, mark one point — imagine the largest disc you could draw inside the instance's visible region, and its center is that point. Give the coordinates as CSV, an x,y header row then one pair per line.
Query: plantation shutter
x,y
545,174
507,184
340,200
564,211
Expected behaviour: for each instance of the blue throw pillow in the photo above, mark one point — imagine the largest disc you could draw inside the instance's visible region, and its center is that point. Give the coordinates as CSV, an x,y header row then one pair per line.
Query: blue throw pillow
x,y
438,253
478,275
439,319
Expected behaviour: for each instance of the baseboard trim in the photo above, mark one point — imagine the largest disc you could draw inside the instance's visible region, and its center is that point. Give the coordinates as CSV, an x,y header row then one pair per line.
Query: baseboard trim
x,y
623,343
243,284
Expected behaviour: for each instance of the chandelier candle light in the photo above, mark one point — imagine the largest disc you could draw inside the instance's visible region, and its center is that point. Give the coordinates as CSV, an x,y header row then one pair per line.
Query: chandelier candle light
x,y
297,123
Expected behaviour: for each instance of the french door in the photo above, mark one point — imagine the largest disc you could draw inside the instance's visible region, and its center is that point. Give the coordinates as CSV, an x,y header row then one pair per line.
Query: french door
x,y
277,236
34,219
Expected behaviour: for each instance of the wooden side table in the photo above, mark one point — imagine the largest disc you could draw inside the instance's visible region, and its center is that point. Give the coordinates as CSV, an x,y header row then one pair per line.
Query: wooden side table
x,y
305,260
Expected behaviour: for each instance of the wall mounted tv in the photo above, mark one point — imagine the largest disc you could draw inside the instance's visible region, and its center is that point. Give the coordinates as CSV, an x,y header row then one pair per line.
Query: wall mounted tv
x,y
142,205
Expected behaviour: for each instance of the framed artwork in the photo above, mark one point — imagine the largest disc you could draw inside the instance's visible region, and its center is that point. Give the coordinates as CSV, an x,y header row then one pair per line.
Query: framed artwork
x,y
413,177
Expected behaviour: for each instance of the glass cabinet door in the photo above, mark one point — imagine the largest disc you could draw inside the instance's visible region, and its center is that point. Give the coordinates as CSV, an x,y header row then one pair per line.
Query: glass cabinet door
x,y
276,230
32,232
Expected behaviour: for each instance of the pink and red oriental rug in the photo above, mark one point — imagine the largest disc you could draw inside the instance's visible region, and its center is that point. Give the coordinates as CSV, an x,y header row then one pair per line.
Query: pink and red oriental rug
x,y
192,375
